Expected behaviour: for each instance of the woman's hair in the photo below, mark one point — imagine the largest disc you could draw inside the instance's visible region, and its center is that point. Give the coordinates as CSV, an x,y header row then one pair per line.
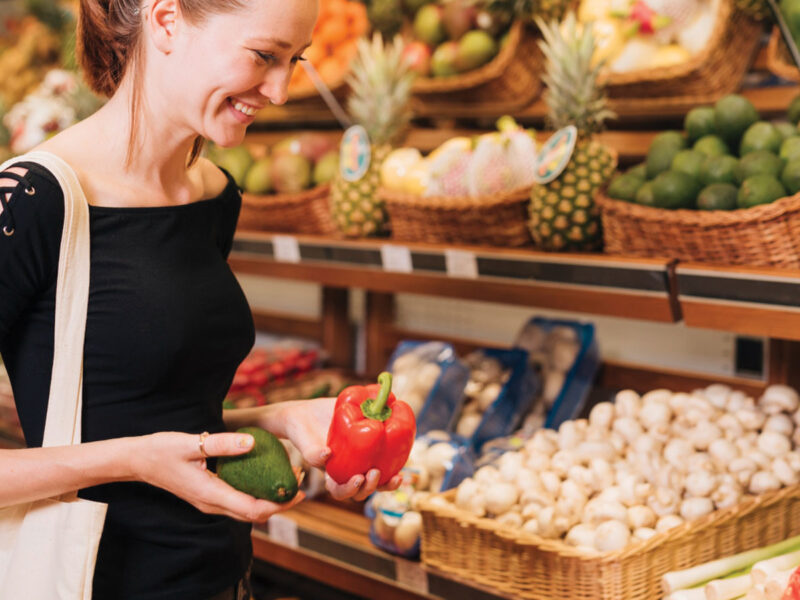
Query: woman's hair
x,y
108,46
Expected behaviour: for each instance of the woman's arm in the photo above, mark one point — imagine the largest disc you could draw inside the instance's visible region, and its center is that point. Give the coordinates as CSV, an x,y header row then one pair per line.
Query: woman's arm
x,y
170,460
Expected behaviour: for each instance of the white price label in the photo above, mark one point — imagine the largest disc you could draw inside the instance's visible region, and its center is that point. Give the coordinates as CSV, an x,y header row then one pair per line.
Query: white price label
x,y
285,248
283,530
412,575
396,259
461,263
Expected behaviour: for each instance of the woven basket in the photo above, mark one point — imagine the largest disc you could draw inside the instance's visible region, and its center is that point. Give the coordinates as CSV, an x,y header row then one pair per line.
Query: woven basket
x,y
713,72
765,235
510,81
304,212
531,567
779,61
497,220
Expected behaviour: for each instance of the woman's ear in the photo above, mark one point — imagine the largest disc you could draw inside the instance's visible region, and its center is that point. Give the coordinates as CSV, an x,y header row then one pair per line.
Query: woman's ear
x,y
162,20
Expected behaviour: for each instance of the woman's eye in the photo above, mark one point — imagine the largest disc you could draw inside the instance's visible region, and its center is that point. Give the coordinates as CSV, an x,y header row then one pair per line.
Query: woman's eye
x,y
265,56
298,58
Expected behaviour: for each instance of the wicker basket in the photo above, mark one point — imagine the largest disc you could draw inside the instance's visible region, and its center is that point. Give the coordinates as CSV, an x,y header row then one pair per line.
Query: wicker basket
x,y
765,235
510,81
304,212
497,220
713,72
527,566
779,61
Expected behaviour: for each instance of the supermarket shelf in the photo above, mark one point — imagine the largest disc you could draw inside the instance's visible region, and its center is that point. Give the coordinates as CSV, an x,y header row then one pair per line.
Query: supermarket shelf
x,y
330,544
594,284
750,301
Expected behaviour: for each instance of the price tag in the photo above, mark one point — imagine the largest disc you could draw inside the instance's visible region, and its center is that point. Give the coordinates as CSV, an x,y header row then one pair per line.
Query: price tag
x,y
396,259
412,575
283,530
461,263
285,248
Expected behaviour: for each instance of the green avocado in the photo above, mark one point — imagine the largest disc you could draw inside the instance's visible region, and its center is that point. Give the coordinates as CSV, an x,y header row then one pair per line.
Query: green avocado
x,y
264,472
759,189
675,189
718,196
624,187
760,162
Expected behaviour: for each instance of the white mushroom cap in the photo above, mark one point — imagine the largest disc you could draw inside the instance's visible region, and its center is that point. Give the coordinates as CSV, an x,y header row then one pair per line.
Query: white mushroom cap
x,y
779,398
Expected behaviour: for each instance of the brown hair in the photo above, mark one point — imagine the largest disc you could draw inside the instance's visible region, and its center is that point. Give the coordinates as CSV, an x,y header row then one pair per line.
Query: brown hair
x,y
108,44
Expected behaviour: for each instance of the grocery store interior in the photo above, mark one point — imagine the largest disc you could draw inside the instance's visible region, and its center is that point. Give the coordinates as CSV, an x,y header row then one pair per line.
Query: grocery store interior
x,y
570,230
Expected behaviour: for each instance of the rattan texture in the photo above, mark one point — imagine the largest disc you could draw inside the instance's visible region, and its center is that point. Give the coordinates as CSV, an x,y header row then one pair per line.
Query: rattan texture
x,y
530,567
304,212
765,235
497,220
715,71
779,61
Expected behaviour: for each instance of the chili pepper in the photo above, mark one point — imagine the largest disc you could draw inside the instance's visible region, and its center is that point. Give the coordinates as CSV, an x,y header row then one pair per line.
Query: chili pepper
x,y
370,429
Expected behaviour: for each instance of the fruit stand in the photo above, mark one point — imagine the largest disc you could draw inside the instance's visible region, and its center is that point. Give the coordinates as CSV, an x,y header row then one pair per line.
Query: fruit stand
x,y
611,184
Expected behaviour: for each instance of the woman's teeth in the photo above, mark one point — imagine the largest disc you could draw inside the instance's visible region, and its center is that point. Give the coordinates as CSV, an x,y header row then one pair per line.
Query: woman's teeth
x,y
243,108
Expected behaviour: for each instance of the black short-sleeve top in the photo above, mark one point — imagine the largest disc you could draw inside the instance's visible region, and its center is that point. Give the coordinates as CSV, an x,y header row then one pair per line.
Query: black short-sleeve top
x,y
167,325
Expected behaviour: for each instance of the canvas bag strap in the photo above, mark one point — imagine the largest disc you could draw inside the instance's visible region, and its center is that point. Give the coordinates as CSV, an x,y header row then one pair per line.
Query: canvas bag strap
x,y
63,422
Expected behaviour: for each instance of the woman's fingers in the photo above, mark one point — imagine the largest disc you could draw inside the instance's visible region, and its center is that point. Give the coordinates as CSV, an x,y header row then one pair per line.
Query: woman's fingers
x,y
392,485
360,487
224,499
221,444
342,491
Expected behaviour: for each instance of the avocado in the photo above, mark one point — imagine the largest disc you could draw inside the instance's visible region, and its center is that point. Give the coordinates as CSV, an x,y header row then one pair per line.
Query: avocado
x,y
760,162
719,169
264,472
675,189
759,189
624,187
718,196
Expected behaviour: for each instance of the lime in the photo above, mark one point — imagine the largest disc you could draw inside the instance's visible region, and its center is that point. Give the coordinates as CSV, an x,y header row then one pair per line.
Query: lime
x,y
670,138
645,195
719,169
759,163
663,149
718,196
639,170
674,189
791,176
733,114
793,112
689,162
624,187
759,189
790,148
699,122
712,145
785,128
761,136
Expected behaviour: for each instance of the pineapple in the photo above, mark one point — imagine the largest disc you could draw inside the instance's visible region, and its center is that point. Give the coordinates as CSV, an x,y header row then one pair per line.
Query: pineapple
x,y
380,83
563,214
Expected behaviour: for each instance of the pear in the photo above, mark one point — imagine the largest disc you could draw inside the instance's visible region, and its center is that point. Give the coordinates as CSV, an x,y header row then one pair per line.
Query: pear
x,y
326,168
290,173
444,60
429,26
259,178
475,49
236,161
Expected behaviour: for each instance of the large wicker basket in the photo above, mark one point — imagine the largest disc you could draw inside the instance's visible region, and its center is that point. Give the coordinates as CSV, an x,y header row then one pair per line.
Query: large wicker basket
x,y
779,61
765,235
304,212
497,220
509,81
713,72
527,566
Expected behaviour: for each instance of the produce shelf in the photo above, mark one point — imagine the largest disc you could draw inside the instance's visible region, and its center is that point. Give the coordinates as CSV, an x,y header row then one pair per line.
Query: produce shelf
x,y
330,544
594,284
751,301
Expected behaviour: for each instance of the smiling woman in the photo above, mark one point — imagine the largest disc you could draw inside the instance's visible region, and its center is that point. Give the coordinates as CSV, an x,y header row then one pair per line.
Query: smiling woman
x,y
167,323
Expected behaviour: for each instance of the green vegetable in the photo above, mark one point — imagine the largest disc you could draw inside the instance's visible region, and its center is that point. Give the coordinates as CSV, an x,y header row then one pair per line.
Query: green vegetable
x,y
264,472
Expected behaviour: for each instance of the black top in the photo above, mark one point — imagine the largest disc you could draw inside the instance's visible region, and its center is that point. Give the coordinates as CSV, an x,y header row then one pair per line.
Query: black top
x,y
167,326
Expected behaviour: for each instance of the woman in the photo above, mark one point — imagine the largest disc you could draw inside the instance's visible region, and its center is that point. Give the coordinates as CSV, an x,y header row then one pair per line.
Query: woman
x,y
167,322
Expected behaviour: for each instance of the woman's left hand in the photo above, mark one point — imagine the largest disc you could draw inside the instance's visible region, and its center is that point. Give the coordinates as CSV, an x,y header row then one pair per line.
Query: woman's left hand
x,y
305,423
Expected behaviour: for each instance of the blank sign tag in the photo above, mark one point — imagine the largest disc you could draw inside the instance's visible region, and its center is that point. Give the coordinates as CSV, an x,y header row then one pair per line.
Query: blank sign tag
x,y
461,263
396,259
286,248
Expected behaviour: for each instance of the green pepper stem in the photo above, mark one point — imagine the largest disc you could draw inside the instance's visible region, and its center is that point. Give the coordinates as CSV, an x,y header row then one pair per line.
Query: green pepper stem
x,y
375,408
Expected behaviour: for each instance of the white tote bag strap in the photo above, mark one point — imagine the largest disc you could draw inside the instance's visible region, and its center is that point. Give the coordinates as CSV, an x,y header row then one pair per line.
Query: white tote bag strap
x,y
63,423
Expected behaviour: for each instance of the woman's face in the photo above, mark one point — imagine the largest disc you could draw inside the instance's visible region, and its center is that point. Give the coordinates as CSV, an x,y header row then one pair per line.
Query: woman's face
x,y
232,64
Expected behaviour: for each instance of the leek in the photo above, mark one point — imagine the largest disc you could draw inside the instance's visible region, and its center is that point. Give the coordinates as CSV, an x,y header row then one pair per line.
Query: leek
x,y
697,593
762,570
716,569
728,589
776,584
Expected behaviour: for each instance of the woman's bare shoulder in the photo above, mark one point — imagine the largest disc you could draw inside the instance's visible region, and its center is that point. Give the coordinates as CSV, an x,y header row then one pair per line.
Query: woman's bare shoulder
x,y
214,179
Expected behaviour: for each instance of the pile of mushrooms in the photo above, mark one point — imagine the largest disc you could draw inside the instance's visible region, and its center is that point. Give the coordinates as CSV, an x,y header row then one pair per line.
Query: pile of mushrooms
x,y
414,375
640,466
486,379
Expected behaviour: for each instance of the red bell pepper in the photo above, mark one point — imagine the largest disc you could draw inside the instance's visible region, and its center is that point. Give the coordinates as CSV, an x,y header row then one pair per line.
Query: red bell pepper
x,y
792,591
370,429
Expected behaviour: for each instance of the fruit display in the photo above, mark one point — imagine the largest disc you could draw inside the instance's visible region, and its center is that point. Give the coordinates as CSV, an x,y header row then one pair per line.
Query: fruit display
x,y
339,24
292,165
266,366
455,36
633,35
563,214
640,466
489,164
726,158
380,83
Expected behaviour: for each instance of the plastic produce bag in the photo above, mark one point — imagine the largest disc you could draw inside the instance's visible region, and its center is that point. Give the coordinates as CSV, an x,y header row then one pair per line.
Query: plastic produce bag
x,y
431,379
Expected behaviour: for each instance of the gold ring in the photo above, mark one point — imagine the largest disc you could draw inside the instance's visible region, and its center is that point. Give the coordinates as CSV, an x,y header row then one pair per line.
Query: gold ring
x,y
201,444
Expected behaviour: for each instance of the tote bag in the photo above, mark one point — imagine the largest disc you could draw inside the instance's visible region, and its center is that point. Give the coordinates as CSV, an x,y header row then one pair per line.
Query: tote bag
x,y
48,548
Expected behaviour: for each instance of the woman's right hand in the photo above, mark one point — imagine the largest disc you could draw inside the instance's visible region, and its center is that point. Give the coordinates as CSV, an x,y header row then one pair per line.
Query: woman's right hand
x,y
174,461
